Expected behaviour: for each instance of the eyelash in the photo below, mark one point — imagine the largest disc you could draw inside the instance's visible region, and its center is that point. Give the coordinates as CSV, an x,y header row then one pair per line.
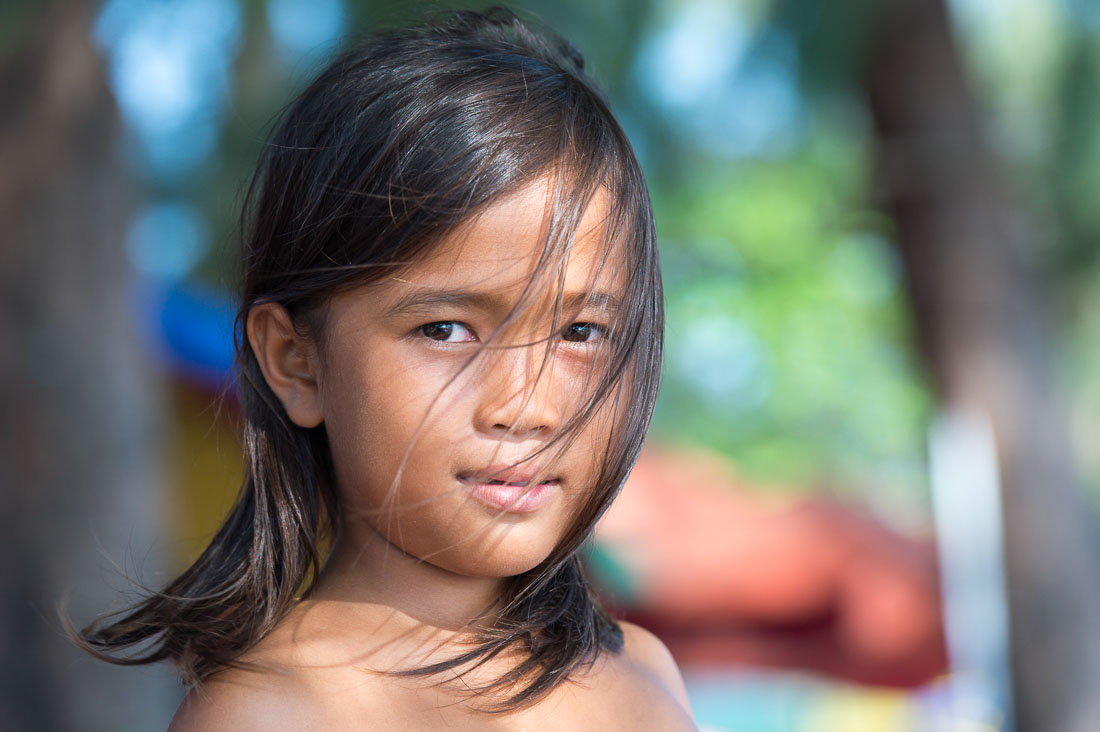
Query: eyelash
x,y
449,326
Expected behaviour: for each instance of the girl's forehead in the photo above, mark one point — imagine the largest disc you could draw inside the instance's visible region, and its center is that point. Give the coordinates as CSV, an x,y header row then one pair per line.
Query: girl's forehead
x,y
503,248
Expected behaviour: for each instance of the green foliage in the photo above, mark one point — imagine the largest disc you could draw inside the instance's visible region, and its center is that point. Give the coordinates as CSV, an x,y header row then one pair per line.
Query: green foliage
x,y
788,338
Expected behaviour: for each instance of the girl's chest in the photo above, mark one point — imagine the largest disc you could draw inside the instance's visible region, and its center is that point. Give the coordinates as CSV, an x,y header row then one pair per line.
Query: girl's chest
x,y
570,708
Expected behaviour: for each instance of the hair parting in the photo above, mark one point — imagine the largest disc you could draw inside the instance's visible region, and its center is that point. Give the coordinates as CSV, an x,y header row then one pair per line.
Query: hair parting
x,y
399,142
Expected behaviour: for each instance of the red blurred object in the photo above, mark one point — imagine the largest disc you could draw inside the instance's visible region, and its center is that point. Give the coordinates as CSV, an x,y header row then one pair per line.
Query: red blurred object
x,y
727,576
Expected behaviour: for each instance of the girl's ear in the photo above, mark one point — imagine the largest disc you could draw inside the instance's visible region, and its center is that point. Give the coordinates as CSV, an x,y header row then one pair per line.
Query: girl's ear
x,y
288,362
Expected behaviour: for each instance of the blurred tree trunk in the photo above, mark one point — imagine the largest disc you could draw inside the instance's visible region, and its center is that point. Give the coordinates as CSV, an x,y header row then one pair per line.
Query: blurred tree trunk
x,y
979,308
78,411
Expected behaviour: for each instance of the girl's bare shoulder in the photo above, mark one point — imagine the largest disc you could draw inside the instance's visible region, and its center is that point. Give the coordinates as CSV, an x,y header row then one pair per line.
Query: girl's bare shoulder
x,y
649,655
640,688
237,699
274,698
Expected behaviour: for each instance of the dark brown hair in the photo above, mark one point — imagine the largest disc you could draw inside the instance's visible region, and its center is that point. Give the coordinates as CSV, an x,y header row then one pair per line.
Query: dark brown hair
x,y
398,142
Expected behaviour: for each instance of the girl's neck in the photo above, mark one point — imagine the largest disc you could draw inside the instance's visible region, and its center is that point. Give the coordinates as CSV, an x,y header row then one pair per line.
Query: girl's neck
x,y
412,594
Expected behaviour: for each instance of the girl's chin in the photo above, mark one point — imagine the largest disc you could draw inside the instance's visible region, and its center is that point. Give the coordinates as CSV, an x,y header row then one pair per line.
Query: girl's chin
x,y
496,556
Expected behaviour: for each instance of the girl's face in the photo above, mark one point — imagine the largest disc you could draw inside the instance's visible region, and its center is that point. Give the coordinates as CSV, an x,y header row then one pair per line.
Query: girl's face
x,y
432,456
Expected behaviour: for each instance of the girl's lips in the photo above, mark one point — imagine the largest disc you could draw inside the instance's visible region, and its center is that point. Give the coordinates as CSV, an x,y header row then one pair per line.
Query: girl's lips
x,y
512,497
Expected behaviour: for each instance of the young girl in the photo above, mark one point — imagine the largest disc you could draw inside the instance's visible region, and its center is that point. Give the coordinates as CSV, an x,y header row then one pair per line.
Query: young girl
x,y
449,342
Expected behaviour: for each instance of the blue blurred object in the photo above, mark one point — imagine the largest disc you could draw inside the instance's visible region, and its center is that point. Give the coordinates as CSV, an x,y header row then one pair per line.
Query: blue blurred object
x,y
725,87
167,240
170,66
191,329
734,700
306,30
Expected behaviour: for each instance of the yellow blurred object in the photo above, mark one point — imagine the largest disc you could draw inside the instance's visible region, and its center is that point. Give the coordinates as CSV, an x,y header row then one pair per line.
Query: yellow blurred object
x,y
863,710
207,463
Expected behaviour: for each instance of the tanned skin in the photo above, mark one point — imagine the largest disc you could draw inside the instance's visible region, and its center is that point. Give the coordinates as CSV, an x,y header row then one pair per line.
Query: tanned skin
x,y
425,543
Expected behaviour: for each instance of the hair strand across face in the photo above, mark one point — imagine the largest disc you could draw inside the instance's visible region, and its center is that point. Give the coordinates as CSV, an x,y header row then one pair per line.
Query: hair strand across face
x,y
400,141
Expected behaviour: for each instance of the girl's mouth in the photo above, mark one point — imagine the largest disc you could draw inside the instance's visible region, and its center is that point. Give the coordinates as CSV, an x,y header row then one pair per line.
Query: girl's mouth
x,y
510,496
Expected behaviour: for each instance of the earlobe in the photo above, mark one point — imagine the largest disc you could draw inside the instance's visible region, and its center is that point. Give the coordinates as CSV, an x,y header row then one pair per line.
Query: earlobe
x,y
287,361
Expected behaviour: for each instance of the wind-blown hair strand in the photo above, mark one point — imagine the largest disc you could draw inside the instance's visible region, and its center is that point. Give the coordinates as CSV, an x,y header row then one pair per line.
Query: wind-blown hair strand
x,y
397,143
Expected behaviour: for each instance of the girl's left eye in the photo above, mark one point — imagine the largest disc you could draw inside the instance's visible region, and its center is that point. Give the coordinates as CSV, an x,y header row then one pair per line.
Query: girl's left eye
x,y
447,331
583,333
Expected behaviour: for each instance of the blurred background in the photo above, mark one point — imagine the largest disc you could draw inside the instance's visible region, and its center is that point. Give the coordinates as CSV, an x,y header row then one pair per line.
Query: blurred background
x,y
869,500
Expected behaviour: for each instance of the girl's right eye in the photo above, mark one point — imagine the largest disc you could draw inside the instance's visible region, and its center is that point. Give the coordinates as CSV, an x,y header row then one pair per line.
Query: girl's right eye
x,y
447,331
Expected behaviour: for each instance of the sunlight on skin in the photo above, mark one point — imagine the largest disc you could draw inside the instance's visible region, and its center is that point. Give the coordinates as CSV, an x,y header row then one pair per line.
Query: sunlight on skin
x,y
428,408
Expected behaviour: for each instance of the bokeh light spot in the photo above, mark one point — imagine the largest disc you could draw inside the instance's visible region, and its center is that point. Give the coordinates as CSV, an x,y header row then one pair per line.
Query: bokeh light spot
x,y
167,240
306,28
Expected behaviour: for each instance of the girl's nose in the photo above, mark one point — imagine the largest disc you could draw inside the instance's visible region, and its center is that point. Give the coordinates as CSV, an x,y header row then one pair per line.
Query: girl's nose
x,y
518,396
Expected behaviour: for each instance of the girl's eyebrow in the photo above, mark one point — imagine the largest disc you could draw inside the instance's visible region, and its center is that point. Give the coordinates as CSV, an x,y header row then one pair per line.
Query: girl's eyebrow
x,y
430,299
